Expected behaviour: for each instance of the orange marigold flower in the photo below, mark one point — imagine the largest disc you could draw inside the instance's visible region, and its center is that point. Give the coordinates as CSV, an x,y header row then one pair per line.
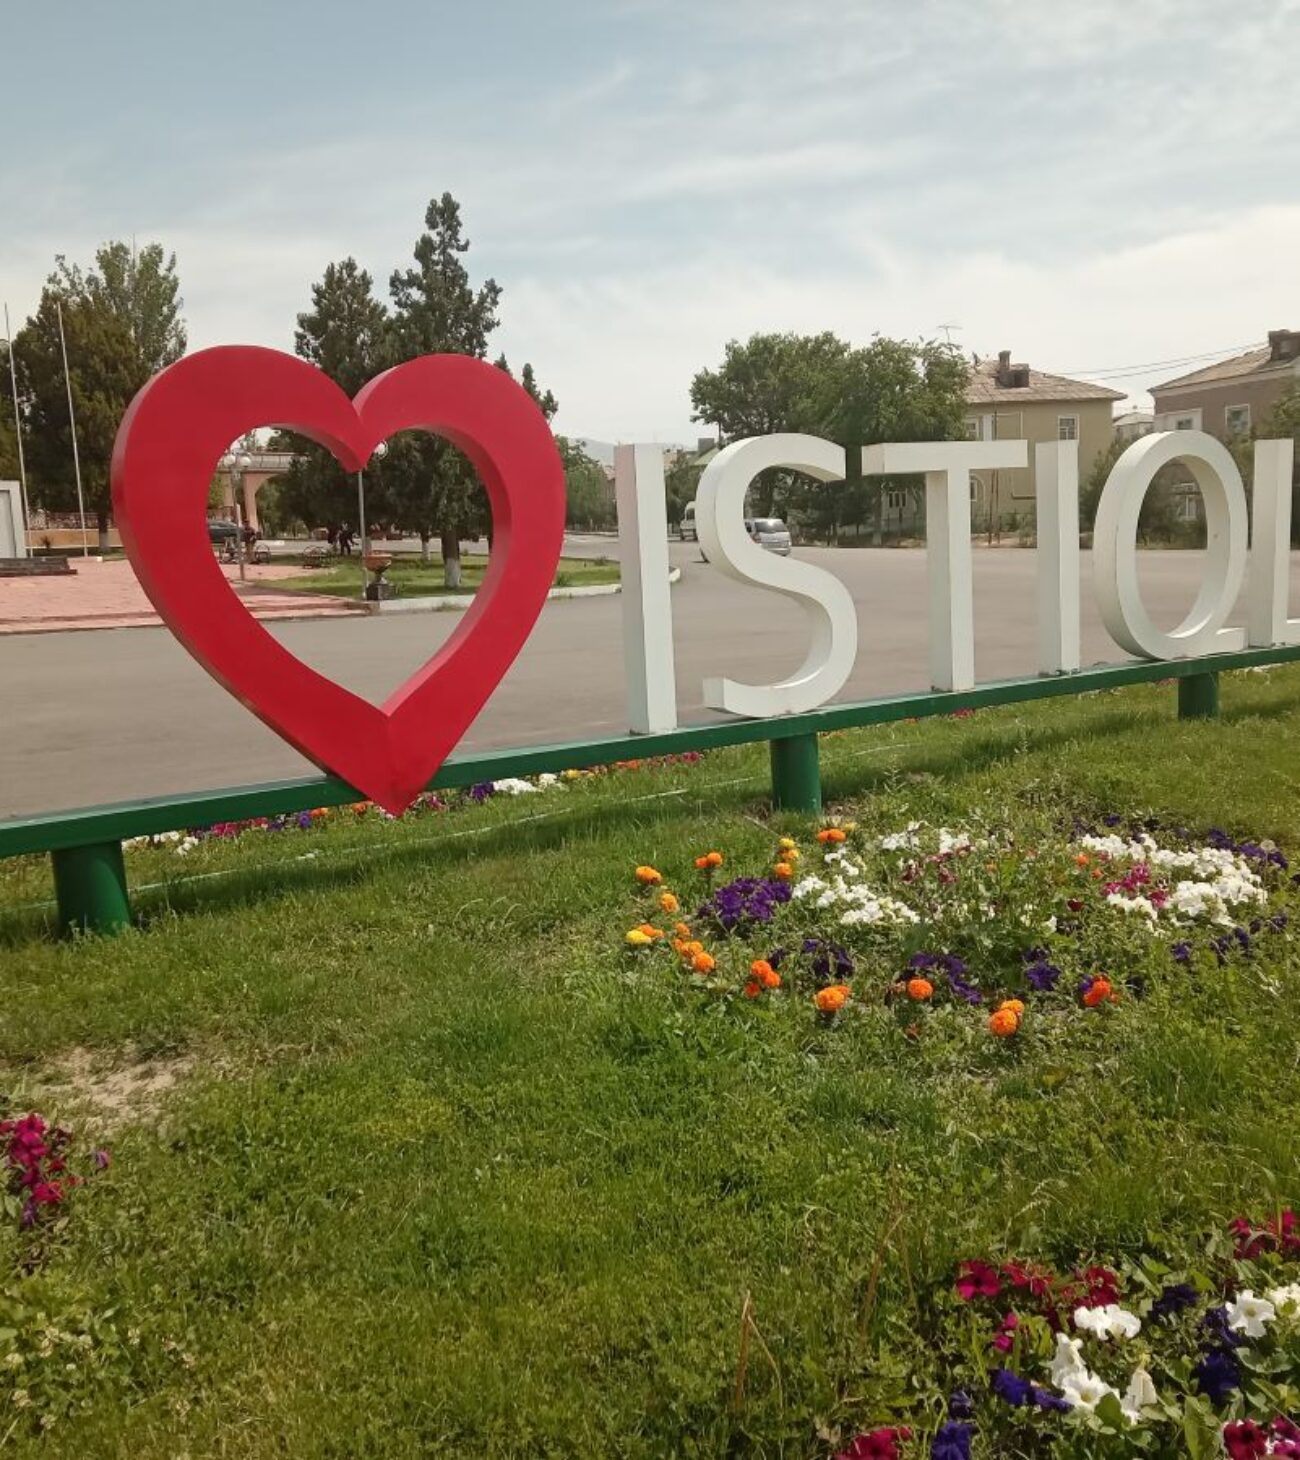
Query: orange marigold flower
x,y
831,834
668,902
783,870
752,989
832,999
694,946
647,876
1016,1007
1004,1023
1098,993
703,962
683,930
920,989
765,974
1082,860
651,931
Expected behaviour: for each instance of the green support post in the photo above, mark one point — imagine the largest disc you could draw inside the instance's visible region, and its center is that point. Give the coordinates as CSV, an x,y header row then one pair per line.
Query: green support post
x,y
796,774
1198,697
90,888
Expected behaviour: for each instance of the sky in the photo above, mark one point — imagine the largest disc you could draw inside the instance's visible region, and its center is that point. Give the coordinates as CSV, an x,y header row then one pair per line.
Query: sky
x,y
1095,186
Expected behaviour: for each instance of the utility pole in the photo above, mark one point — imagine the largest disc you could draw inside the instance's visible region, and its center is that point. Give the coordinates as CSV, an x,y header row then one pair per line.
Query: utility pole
x,y
72,423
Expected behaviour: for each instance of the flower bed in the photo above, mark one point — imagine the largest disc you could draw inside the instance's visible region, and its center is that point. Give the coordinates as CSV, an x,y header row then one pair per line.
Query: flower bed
x,y
934,924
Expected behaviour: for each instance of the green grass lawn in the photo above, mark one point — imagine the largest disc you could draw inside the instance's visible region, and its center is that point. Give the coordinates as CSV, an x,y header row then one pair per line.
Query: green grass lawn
x,y
414,577
413,1156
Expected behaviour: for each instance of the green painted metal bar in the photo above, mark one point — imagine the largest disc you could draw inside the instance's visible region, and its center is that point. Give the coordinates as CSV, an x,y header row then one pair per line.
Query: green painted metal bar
x,y
1198,697
89,826
90,888
796,774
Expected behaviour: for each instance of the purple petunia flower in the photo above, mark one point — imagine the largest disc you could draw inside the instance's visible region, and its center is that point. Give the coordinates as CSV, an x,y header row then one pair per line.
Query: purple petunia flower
x,y
1218,1374
1046,1400
304,821
1042,976
1011,1387
745,902
1215,1324
480,792
1182,952
960,1405
951,1442
1174,1297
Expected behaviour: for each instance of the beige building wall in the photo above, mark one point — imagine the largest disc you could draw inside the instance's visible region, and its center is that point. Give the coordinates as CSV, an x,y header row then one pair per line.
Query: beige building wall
x,y
1013,492
1207,406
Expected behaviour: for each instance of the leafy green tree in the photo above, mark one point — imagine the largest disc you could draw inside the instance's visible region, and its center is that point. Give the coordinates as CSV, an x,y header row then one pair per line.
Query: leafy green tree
x,y
589,497
8,439
436,310
1281,421
347,334
889,390
681,482
122,321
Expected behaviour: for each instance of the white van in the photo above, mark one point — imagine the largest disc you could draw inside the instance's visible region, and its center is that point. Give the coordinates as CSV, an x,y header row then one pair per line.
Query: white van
x,y
687,527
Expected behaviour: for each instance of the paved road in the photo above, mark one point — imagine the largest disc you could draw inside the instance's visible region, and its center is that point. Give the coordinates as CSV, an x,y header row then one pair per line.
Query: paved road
x,y
115,714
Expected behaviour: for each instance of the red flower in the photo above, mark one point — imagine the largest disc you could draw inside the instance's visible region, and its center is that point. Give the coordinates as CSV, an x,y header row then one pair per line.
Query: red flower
x,y
876,1445
977,1279
1245,1440
1101,1287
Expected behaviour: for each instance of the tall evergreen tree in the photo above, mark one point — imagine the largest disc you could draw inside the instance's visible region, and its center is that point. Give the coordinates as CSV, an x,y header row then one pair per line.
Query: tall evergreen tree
x,y
436,310
346,332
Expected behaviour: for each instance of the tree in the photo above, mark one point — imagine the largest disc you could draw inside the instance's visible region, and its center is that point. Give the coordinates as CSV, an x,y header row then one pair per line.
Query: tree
x,y
889,390
1284,420
122,322
588,497
437,311
347,334
681,482
8,438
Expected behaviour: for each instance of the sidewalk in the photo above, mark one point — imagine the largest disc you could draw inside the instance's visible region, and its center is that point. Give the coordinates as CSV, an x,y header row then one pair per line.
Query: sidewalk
x,y
108,596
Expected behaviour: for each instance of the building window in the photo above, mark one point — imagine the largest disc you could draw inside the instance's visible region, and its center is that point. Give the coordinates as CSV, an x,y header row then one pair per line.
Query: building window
x,y
1184,423
1237,420
1067,428
972,428
896,500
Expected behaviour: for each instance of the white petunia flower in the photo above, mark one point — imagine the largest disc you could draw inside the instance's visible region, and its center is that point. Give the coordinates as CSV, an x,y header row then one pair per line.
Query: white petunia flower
x,y
1085,1390
1067,1360
514,786
1140,1394
1286,1298
1108,1321
1250,1315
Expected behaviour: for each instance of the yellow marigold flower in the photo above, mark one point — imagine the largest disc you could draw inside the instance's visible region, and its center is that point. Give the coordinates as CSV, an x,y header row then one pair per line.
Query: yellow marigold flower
x,y
637,938
1004,1023
569,775
787,844
668,902
647,876
832,999
783,870
791,854
704,963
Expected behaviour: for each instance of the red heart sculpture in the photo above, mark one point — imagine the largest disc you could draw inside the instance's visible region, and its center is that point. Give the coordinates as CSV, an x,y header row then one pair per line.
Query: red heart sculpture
x,y
168,447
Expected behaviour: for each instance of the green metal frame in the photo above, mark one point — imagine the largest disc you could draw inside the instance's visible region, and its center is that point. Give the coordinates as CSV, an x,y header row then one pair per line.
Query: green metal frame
x,y
86,843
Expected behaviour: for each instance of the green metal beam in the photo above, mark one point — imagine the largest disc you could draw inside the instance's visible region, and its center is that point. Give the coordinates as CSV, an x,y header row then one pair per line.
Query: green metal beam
x,y
91,826
796,774
1198,697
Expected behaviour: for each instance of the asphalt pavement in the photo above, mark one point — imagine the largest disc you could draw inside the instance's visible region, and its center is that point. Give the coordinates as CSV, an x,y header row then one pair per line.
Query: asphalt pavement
x,y
116,714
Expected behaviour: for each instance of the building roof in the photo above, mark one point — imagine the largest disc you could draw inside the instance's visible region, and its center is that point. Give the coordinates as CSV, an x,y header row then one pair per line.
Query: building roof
x,y
983,387
1248,363
1134,418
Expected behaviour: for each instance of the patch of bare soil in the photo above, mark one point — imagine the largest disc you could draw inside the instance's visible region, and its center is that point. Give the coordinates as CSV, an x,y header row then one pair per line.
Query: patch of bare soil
x,y
112,1089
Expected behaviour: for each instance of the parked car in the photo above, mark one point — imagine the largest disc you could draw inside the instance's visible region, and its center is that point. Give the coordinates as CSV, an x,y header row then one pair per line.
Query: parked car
x,y
770,533
221,532
687,526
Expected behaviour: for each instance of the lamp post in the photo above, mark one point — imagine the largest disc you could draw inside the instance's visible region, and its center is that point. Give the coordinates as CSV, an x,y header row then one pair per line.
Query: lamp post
x,y
236,464
378,454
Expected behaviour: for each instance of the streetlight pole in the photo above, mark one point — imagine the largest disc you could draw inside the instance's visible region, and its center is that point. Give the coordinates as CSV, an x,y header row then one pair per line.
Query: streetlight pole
x,y
378,454
72,423
236,464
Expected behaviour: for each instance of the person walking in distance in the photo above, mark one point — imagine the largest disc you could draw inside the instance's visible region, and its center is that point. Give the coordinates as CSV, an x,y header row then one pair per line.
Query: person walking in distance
x,y
345,540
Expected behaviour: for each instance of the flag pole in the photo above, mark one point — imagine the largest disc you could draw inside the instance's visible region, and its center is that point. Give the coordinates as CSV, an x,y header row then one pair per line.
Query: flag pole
x,y
72,422
18,437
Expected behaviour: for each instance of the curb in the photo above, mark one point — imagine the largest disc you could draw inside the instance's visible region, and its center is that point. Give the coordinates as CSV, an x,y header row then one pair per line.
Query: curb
x,y
438,602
